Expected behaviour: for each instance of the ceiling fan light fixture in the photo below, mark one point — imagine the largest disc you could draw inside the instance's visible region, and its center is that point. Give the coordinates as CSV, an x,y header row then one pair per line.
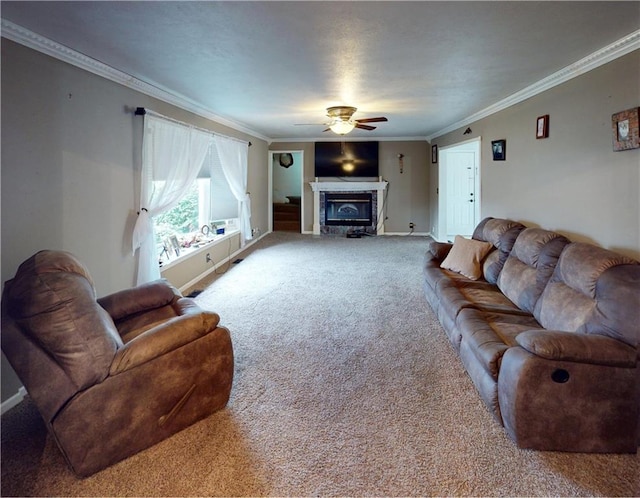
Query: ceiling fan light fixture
x,y
342,127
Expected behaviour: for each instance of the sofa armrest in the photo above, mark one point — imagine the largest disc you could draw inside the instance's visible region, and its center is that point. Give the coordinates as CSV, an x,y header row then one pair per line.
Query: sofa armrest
x,y
576,347
568,406
162,339
439,250
144,297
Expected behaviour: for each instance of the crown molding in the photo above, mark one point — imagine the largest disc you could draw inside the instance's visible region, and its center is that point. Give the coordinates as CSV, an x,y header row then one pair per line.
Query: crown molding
x,y
607,54
37,42
23,36
346,138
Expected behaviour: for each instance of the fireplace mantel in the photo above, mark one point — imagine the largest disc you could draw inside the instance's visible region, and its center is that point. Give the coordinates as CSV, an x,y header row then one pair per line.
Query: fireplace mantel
x,y
377,187
347,186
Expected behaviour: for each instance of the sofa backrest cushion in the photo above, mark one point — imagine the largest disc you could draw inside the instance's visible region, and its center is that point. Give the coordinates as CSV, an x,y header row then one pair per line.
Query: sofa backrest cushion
x,y
592,291
502,235
530,265
53,300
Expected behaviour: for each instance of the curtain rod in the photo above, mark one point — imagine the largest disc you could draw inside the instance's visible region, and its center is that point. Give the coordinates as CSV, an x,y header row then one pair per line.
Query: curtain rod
x,y
141,111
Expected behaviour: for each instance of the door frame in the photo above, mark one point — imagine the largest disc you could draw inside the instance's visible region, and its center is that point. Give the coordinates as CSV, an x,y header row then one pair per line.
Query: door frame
x,y
270,157
475,145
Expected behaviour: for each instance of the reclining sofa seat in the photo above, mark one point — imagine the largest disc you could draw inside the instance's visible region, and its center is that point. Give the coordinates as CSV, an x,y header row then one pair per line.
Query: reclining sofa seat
x,y
460,290
572,383
552,347
111,376
489,321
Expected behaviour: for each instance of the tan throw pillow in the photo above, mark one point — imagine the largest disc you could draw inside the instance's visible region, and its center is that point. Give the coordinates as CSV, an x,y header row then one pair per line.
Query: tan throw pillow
x,y
465,257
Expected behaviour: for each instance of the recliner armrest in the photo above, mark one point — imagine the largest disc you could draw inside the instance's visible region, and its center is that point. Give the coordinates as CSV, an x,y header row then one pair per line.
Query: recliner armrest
x,y
186,306
162,339
144,297
577,347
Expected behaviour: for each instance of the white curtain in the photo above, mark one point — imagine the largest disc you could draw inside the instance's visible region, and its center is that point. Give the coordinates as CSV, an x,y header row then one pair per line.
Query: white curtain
x,y
232,155
172,156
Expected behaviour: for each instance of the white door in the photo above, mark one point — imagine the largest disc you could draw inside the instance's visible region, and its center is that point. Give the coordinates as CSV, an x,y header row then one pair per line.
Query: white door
x,y
459,190
460,194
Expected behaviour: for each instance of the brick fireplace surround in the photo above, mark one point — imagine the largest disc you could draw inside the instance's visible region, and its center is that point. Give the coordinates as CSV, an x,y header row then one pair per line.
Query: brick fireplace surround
x,y
376,188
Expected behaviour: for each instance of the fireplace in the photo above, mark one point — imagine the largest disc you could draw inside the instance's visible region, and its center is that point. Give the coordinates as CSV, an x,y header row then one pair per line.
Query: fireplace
x,y
344,214
348,209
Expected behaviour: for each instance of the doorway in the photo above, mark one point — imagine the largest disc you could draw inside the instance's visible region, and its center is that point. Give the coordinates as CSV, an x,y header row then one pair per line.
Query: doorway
x,y
459,190
285,190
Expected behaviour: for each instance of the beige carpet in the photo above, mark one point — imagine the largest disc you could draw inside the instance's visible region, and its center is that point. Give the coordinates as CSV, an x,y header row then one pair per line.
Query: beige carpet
x,y
345,384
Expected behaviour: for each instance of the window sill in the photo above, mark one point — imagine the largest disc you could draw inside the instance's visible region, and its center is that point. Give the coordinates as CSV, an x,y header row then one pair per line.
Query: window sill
x,y
187,253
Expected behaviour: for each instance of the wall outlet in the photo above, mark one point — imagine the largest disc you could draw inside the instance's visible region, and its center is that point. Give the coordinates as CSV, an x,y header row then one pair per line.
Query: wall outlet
x,y
412,225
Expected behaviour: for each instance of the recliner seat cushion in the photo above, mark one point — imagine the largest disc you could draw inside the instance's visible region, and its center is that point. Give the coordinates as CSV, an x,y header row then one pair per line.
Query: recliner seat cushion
x,y
489,335
479,295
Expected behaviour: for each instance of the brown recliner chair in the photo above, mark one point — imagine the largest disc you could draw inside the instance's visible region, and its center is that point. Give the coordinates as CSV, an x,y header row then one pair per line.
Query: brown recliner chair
x,y
115,375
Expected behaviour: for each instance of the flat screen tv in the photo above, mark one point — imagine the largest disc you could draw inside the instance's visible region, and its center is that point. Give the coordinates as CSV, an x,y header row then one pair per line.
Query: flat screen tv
x,y
346,159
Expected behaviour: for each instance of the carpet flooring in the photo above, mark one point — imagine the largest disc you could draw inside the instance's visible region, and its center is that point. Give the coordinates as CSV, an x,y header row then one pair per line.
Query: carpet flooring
x,y
345,385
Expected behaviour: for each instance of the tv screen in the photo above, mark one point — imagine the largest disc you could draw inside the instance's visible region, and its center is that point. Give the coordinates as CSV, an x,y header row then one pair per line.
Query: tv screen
x,y
346,159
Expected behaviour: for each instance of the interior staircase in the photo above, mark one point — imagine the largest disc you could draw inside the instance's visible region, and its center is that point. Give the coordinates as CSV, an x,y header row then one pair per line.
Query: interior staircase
x,y
286,217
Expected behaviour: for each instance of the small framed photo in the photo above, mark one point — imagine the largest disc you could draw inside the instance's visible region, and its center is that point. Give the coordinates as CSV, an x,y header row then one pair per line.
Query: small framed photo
x,y
499,150
542,126
175,244
625,129
434,154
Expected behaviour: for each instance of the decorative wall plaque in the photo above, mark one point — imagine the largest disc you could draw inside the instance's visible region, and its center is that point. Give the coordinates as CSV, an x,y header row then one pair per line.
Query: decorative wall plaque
x,y
625,129
542,126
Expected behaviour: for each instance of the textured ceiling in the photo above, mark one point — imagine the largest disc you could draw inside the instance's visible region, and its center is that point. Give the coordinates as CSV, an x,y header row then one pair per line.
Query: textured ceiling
x,y
270,66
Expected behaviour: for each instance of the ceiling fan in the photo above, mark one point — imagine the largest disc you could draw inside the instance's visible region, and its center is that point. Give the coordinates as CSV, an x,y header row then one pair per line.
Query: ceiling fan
x,y
342,122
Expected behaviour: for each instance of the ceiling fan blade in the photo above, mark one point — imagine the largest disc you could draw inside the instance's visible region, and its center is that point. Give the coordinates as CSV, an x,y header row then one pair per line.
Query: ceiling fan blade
x,y
372,120
365,127
328,129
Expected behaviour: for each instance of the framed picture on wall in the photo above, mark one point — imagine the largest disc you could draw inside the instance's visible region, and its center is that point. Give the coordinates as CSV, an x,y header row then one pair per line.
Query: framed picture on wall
x,y
624,126
434,154
542,126
499,150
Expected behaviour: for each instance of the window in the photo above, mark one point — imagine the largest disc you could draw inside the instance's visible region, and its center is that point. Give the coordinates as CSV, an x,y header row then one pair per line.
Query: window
x,y
209,201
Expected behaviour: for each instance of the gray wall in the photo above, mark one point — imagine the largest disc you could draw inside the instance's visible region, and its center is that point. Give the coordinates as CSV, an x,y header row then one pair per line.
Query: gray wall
x,y
70,159
407,197
571,182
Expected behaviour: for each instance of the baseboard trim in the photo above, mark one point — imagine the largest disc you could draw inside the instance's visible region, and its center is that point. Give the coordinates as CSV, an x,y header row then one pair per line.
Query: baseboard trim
x,y
224,261
14,400
417,234
405,234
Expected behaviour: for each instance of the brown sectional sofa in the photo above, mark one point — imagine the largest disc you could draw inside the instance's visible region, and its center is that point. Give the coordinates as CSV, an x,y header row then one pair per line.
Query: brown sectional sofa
x,y
548,335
